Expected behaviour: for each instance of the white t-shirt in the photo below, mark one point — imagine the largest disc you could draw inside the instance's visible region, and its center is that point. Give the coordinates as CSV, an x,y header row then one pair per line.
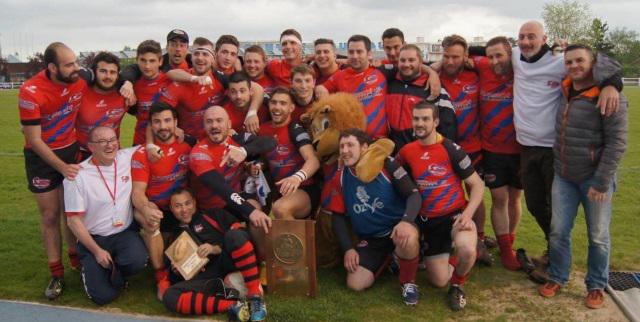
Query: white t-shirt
x,y
88,195
537,95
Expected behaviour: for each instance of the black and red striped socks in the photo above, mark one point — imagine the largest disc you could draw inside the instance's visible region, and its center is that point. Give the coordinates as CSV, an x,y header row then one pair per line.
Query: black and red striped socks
x,y
244,259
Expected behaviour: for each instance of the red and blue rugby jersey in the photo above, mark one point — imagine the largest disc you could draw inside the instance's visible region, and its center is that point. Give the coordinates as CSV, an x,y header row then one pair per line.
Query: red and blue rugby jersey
x,y
148,91
464,90
438,170
192,99
164,176
330,196
53,107
370,88
280,71
99,109
286,159
206,156
497,133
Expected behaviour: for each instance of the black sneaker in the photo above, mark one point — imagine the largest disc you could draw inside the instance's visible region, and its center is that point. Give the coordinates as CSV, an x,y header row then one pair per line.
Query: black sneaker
x,y
457,299
484,256
490,242
54,289
410,294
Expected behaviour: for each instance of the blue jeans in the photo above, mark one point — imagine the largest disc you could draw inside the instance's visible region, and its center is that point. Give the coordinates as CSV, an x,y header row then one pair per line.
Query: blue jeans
x,y
566,196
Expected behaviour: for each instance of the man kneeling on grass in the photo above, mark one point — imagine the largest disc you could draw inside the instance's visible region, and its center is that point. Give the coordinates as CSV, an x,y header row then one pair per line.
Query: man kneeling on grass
x,y
587,151
382,214
228,246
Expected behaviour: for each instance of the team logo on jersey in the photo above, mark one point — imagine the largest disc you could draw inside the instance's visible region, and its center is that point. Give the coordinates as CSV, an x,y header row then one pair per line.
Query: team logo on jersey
x,y
31,89
471,88
283,149
65,92
124,179
75,97
183,159
370,79
26,105
115,113
135,164
171,151
198,228
199,156
553,84
40,183
364,204
425,156
203,90
437,169
101,104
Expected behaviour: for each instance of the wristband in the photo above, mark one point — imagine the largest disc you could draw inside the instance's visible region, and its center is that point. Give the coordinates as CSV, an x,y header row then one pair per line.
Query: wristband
x,y
193,79
151,146
301,175
251,113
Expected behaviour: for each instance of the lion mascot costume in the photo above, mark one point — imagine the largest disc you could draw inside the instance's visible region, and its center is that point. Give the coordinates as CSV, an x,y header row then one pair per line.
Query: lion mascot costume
x,y
325,120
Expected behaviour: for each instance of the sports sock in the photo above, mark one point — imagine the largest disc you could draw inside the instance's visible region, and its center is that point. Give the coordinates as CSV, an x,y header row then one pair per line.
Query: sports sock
x,y
481,235
56,268
507,255
244,259
74,260
200,303
457,279
408,269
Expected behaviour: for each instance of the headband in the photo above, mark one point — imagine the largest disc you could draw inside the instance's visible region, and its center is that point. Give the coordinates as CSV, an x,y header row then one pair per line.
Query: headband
x,y
290,38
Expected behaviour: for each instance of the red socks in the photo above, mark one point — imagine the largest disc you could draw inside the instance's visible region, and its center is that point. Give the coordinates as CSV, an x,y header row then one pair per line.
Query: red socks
x,y
408,269
507,255
199,303
161,274
457,279
74,260
56,269
244,259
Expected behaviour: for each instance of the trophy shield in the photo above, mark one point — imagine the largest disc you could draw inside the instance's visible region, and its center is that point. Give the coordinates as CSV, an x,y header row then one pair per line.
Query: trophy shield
x,y
183,255
291,258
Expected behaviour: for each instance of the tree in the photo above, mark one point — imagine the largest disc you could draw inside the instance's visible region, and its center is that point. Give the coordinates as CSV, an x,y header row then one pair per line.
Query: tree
x,y
567,19
626,49
4,72
597,37
36,64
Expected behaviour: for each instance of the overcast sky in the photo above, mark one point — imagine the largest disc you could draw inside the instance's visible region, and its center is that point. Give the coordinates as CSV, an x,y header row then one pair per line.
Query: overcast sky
x,y
27,26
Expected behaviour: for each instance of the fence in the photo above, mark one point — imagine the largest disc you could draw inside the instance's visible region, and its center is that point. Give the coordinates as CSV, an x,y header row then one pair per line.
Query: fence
x,y
631,81
10,85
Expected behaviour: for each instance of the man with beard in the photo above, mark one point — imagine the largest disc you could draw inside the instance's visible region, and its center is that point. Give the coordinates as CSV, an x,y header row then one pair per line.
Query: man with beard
x,y
101,105
48,105
238,104
324,60
216,162
100,214
382,214
255,62
293,163
463,87
303,83
280,69
154,182
439,166
501,151
406,88
193,92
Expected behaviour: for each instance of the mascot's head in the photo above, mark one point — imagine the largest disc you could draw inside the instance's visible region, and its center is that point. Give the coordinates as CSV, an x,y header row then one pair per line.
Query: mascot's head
x,y
327,117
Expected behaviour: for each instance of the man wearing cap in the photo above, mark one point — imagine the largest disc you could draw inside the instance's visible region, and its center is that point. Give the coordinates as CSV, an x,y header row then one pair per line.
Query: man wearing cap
x,y
280,69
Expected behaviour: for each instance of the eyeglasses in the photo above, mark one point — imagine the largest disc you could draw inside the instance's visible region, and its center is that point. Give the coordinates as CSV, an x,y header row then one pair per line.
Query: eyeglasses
x,y
106,142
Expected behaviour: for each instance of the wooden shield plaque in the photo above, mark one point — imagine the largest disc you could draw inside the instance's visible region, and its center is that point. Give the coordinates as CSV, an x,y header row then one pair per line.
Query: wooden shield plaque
x,y
291,258
183,254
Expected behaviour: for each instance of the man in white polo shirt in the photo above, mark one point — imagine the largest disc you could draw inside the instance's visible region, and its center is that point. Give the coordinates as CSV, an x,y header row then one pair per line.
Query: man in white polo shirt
x,y
99,212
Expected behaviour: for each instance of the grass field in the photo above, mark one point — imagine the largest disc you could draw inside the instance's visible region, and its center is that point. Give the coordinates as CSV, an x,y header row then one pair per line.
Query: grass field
x,y
493,293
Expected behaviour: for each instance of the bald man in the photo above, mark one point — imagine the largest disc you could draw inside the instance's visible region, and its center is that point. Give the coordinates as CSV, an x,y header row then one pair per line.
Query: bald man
x,y
217,162
537,93
48,105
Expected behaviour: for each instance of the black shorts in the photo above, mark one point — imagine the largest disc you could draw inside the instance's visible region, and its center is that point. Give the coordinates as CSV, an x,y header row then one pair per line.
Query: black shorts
x,y
501,169
169,223
313,190
375,253
42,177
476,160
437,233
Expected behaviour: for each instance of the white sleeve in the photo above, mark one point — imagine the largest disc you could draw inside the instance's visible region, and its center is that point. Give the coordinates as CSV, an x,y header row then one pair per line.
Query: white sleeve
x,y
73,197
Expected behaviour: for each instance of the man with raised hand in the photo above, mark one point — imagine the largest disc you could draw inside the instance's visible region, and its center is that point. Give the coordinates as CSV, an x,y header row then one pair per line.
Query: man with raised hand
x,y
382,214
100,214
48,104
439,166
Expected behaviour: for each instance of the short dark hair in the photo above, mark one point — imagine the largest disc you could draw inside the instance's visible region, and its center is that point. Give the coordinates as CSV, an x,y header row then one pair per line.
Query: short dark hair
x,y
106,57
500,40
453,40
239,77
303,69
256,50
393,32
580,46
181,190
322,41
292,32
359,134
413,47
149,46
159,107
426,105
202,41
363,38
51,53
282,90
227,39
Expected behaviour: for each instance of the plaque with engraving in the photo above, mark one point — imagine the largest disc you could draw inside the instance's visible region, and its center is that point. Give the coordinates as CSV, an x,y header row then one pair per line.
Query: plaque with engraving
x,y
183,255
291,258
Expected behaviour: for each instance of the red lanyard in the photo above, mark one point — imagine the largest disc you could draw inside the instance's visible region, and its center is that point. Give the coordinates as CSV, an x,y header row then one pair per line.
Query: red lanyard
x,y
115,181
